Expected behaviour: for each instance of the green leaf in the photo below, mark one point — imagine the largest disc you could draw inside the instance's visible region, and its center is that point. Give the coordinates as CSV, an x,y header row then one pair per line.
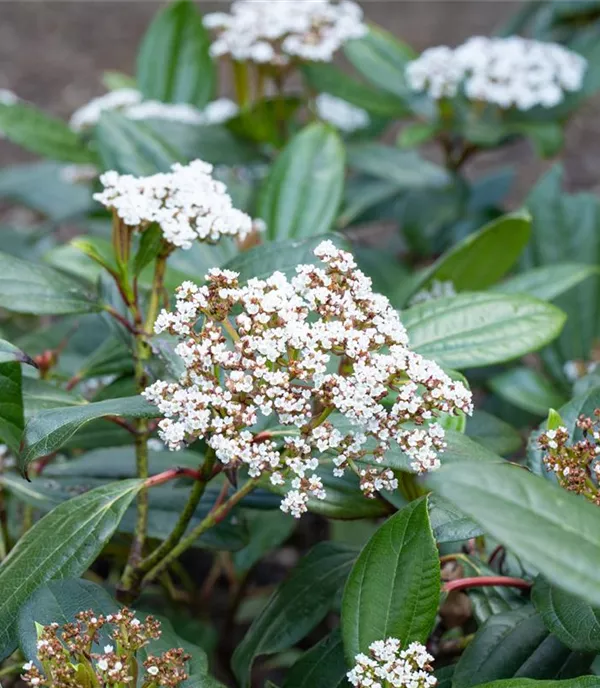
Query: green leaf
x,y
554,420
39,395
527,389
394,587
581,682
547,282
283,256
476,329
60,545
484,257
296,607
150,245
11,405
39,133
132,147
516,644
381,58
40,290
174,65
361,194
323,666
268,530
405,168
50,430
114,80
303,191
494,434
262,122
417,133
327,78
9,352
573,621
547,137
556,532
448,523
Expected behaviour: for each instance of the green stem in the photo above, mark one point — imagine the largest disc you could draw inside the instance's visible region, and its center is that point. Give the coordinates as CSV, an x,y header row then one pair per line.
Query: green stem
x,y
211,520
184,519
158,286
241,82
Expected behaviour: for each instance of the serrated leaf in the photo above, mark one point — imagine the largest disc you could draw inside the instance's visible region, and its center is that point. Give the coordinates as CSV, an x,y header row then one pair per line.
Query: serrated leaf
x,y
39,133
40,290
49,431
555,532
296,607
174,65
303,191
476,329
393,589
60,545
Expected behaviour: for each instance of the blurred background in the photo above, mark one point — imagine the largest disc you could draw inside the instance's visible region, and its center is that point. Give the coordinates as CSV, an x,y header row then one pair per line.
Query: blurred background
x,y
54,54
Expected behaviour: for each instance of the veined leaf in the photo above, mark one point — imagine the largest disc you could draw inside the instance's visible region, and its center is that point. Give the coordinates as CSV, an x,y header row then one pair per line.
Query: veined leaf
x,y
547,282
323,666
11,405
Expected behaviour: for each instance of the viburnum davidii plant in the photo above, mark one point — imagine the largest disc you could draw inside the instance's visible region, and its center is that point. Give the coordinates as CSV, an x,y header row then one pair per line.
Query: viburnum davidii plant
x,y
280,381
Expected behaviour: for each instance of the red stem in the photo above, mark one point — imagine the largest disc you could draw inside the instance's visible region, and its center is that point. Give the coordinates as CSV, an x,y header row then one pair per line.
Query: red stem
x,y
485,582
171,474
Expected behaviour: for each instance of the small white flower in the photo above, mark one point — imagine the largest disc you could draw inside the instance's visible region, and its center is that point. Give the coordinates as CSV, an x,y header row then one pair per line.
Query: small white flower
x,y
28,666
102,664
108,649
341,114
152,670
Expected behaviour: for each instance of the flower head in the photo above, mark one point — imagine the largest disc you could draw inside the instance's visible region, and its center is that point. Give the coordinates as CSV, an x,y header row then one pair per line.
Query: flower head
x,y
388,665
89,114
278,31
319,354
508,72
187,203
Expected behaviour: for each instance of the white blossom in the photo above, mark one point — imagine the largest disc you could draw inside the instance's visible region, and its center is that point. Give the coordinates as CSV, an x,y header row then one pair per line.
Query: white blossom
x,y
307,353
8,97
390,666
187,203
216,112
508,72
437,289
78,174
341,114
88,115
277,31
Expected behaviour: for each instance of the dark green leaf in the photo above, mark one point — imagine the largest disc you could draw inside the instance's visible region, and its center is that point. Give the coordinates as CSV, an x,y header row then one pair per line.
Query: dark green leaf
x,y
48,431
494,434
323,666
581,682
173,64
39,395
267,531
39,133
296,607
12,419
132,147
448,523
516,644
547,282
40,290
303,191
527,389
60,545
556,532
393,589
569,618
150,245
474,329
262,122
362,193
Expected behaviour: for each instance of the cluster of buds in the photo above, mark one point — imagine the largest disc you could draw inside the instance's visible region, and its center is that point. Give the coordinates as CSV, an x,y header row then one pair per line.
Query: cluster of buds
x,y
67,658
319,355
387,666
575,465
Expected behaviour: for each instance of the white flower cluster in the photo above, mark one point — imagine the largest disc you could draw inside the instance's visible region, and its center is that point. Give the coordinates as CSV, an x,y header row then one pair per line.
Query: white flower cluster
x,y
277,31
390,667
130,103
319,354
508,72
187,203
438,289
341,114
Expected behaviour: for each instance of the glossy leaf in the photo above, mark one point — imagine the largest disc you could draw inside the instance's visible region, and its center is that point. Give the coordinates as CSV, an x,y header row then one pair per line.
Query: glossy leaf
x,y
60,545
323,666
296,607
405,168
174,65
573,621
555,532
39,133
448,523
303,191
516,644
40,290
527,389
393,589
475,329
11,405
283,256
547,282
484,257
132,147
48,431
